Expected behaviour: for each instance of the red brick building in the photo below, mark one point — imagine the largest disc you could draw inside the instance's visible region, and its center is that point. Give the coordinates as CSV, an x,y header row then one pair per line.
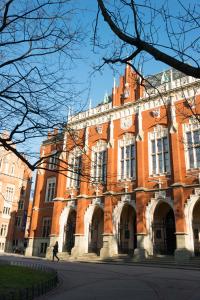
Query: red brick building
x,y
15,185
132,184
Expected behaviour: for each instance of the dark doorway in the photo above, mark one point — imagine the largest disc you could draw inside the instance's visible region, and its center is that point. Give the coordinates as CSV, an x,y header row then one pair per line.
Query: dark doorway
x,y
164,229
70,231
170,233
96,231
196,228
127,238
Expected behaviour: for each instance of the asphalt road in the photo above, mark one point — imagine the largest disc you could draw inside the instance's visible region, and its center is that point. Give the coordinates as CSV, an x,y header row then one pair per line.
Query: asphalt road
x,y
88,281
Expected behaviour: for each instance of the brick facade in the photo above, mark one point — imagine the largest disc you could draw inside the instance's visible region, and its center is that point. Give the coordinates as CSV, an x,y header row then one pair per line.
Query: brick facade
x,y
134,181
15,186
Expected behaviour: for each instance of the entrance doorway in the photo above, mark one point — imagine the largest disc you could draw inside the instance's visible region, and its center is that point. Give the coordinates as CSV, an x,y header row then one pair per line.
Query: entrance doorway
x,y
164,237
96,231
127,238
70,231
196,228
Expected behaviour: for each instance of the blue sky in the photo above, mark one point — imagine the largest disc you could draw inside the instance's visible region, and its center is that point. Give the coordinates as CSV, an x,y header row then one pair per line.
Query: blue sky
x,y
97,83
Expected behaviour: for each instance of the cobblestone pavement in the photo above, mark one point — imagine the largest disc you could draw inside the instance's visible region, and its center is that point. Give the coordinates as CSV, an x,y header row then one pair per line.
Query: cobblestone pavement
x,y
89,281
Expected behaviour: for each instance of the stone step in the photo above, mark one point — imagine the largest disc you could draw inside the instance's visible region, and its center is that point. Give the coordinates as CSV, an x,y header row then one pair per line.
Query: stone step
x,y
88,256
64,255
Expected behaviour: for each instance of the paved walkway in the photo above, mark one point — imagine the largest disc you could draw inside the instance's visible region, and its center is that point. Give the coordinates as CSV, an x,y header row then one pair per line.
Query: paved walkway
x,y
86,281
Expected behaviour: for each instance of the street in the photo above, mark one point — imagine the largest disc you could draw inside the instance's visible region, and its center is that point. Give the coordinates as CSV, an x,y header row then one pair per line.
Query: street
x,y
89,281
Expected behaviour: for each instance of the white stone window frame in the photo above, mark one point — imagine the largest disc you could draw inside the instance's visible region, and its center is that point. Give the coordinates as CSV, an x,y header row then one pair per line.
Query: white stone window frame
x,y
100,146
9,193
126,140
72,177
50,180
159,132
192,126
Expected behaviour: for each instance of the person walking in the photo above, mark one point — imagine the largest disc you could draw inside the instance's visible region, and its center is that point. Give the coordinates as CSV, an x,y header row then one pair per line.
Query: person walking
x,y
55,251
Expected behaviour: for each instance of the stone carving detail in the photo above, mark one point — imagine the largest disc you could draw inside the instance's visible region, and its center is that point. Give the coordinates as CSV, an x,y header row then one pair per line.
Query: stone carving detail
x,y
99,129
155,113
160,195
72,204
126,123
126,199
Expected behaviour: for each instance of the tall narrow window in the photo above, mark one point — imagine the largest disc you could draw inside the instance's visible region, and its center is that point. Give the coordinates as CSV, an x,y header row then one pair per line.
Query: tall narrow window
x,y
9,193
46,227
127,161
159,151
193,147
75,170
3,230
99,166
18,221
53,161
50,189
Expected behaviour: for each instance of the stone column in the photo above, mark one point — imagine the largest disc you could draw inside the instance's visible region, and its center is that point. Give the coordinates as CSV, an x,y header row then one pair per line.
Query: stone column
x,y
141,201
80,237
109,242
177,167
181,253
54,236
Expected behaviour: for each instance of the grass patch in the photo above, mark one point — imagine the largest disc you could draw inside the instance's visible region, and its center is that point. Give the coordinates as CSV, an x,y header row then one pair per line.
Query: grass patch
x,y
13,278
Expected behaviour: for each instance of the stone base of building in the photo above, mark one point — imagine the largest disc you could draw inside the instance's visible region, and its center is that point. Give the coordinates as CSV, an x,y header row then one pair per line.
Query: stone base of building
x,y
140,253
182,256
34,246
8,247
109,248
52,241
79,247
29,248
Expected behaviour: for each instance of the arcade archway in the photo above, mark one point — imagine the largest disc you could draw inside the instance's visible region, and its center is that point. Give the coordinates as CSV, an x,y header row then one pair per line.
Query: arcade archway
x,y
70,231
164,238
127,238
96,229
196,228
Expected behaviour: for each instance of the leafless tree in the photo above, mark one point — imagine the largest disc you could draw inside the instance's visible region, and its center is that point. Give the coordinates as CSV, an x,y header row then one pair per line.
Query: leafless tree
x,y
146,29
38,43
150,30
